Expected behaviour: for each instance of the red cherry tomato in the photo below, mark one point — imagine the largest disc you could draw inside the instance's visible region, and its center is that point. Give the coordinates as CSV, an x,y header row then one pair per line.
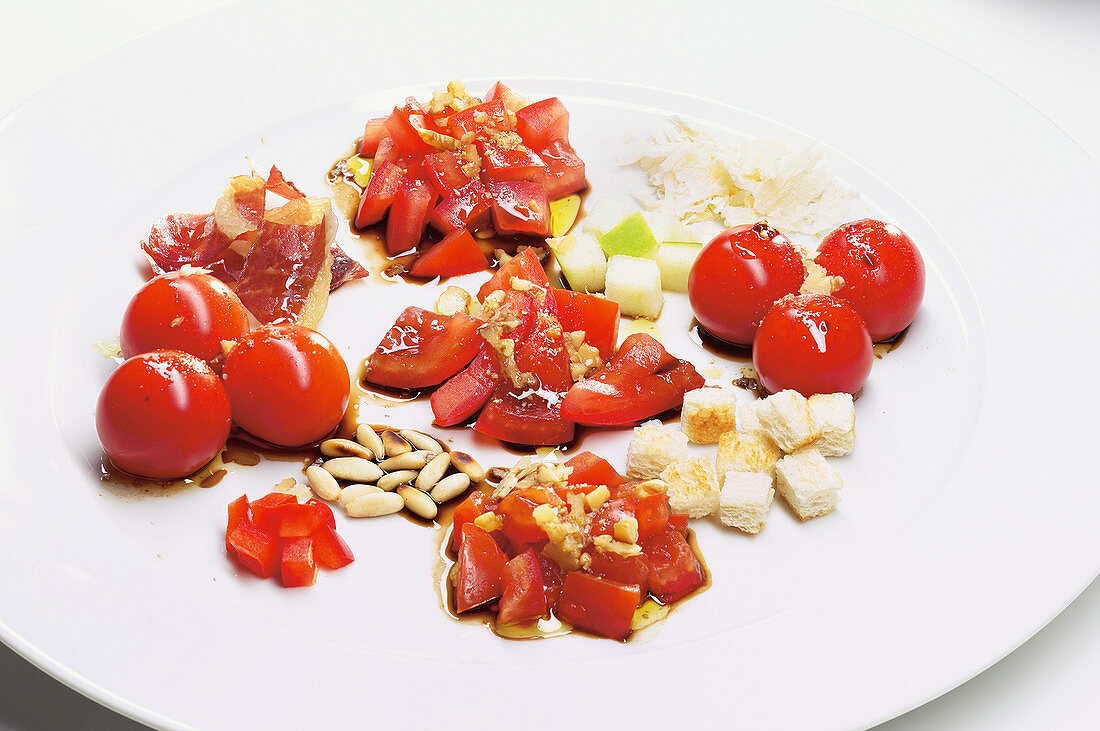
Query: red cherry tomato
x,y
883,274
738,277
183,311
162,415
812,343
288,385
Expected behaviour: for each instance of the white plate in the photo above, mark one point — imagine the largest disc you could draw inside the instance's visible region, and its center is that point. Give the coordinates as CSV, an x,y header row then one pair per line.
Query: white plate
x,y
966,524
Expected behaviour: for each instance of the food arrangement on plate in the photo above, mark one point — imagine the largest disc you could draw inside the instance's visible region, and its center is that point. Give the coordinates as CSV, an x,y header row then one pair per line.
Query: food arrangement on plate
x,y
225,342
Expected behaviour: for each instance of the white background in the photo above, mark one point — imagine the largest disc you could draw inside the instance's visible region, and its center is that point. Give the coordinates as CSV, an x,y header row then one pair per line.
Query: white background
x,y
1046,52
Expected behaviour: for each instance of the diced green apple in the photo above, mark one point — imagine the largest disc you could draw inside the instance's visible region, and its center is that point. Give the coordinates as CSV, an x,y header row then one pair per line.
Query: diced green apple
x,y
675,258
563,214
635,284
631,237
581,260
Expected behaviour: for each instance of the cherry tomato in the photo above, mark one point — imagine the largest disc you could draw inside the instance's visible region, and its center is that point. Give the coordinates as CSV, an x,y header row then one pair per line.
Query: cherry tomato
x,y
192,312
162,415
738,277
812,343
288,384
883,274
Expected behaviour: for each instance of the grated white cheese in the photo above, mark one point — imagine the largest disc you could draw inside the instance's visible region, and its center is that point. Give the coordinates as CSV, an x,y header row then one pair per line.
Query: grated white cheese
x,y
701,179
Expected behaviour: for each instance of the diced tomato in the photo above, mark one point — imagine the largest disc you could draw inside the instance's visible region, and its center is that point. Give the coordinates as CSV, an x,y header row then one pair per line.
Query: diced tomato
x,y
478,503
530,419
597,605
329,549
611,512
480,119
520,207
641,381
674,570
524,595
255,549
512,101
445,172
461,397
480,569
652,515
562,172
524,265
373,134
386,152
238,511
265,512
408,215
517,512
402,127
499,164
327,518
552,578
468,208
386,181
597,316
542,122
588,469
623,569
424,349
298,566
456,254
679,523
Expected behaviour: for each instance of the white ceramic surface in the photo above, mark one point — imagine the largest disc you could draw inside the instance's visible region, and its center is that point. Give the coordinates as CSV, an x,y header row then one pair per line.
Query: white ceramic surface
x,y
938,562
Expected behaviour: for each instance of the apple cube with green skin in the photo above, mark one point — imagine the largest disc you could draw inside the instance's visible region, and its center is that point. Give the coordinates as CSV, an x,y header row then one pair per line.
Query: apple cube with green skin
x,y
674,258
563,214
635,284
581,260
631,237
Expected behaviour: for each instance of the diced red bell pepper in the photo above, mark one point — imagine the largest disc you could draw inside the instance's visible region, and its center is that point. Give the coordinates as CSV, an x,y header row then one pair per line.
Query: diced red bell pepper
x,y
499,164
542,122
386,181
402,126
408,216
674,569
327,518
480,119
445,172
679,523
463,396
623,569
329,549
516,511
597,605
298,566
611,512
238,511
588,469
562,172
255,549
373,134
424,349
641,381
477,504
480,569
297,521
524,595
524,265
520,207
265,512
597,316
468,208
512,101
652,514
456,254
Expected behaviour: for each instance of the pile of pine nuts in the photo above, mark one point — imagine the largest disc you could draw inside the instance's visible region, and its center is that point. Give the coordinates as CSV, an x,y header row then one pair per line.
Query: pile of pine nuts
x,y
384,473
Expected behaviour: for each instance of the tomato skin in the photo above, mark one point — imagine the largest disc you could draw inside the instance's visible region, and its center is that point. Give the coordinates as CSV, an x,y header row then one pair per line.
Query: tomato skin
x,y
424,349
737,278
883,274
189,312
597,605
288,384
162,415
812,343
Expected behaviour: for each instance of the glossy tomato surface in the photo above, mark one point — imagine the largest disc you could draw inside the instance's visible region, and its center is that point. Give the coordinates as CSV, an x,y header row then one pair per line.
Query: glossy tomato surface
x,y
288,385
883,274
162,415
737,278
189,311
812,343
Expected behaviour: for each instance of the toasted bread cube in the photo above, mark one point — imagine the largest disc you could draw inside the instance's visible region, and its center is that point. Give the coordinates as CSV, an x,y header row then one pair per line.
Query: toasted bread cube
x,y
809,485
692,487
635,284
652,448
751,452
785,416
745,499
748,417
708,413
834,415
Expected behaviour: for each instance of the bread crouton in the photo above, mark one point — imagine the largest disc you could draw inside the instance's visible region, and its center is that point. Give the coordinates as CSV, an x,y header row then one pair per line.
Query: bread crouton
x,y
745,499
692,487
747,418
785,416
834,415
809,485
708,413
751,452
652,448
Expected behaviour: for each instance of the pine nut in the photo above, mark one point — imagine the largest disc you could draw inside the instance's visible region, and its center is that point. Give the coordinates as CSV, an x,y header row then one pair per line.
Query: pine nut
x,y
324,484
392,479
418,502
468,466
394,444
420,440
369,438
374,505
351,493
450,487
433,472
406,461
353,469
345,448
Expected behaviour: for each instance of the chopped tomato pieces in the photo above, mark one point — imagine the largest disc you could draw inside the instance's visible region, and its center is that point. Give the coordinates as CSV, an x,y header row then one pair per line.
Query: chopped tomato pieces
x,y
373,135
499,164
445,172
524,265
517,512
623,569
456,254
464,395
466,208
674,570
562,172
423,349
478,503
408,215
480,569
598,317
542,122
598,605
652,515
385,183
524,596
588,469
520,207
480,119
512,101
